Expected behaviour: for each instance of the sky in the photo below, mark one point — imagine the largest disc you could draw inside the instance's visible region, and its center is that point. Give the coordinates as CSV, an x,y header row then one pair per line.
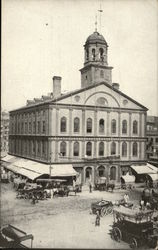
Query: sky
x,y
43,38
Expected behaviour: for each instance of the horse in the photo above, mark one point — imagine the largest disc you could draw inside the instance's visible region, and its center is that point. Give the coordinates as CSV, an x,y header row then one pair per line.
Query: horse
x,y
110,186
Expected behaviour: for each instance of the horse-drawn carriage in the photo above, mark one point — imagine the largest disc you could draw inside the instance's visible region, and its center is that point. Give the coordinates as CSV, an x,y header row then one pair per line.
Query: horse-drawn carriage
x,y
12,237
150,195
102,184
134,226
31,191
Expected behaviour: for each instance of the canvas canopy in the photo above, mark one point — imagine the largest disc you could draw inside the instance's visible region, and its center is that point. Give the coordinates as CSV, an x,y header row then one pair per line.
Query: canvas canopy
x,y
63,170
128,178
33,170
145,169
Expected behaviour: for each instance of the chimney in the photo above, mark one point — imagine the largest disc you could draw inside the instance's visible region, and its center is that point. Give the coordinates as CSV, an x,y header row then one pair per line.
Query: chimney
x,y
56,86
115,85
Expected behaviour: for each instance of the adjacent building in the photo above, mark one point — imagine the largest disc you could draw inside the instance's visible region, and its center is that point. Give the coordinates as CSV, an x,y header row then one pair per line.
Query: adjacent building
x,y
4,131
152,139
98,129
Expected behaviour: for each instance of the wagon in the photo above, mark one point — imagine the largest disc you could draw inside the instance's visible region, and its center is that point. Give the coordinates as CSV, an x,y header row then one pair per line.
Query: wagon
x,y
30,191
12,237
134,227
104,207
150,195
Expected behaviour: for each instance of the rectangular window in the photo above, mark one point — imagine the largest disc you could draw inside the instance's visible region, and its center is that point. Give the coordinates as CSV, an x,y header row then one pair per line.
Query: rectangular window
x,y
38,127
43,147
44,127
29,127
33,147
22,127
34,127
25,127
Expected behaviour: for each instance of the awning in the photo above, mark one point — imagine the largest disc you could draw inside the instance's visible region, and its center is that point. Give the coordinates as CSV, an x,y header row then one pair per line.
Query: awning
x,y
154,177
145,169
33,169
128,178
63,170
10,158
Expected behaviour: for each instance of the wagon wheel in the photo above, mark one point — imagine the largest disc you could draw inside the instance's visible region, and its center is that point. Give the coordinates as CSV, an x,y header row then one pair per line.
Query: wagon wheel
x,y
103,211
116,234
152,243
30,195
133,243
109,210
44,195
38,195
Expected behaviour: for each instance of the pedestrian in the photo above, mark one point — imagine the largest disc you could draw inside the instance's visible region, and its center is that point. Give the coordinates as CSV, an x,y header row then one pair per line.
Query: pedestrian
x,y
142,204
90,187
97,220
148,206
126,198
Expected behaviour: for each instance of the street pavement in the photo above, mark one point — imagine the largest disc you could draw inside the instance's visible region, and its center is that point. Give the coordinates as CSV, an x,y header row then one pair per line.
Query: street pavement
x,y
63,222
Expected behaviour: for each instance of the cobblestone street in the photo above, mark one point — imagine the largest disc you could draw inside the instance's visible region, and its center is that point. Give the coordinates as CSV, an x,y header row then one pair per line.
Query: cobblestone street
x,y
68,215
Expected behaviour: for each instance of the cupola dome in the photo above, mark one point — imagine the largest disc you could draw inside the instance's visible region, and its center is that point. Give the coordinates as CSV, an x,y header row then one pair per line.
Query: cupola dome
x,y
96,38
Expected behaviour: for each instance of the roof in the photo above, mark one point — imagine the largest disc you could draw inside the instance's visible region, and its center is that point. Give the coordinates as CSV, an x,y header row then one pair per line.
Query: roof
x,y
71,93
96,37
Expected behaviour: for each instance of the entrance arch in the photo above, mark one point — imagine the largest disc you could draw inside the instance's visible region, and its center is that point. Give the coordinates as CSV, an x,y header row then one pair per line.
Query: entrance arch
x,y
88,174
113,173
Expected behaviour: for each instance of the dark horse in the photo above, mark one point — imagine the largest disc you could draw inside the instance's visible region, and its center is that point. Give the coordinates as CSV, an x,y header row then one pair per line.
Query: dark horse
x,y
110,186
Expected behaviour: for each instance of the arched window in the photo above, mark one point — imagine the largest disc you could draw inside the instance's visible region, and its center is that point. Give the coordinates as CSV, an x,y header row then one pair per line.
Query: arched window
x,y
89,125
113,126
76,148
89,149
63,124
76,124
113,173
124,149
101,126
101,52
93,54
101,149
124,127
101,171
113,148
135,149
135,127
63,148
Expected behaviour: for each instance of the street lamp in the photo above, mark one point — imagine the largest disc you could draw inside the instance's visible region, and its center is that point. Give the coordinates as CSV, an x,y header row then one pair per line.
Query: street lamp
x,y
50,167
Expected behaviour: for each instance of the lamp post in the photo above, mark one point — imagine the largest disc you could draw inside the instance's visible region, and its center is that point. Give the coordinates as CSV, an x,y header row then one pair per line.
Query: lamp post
x,y
50,167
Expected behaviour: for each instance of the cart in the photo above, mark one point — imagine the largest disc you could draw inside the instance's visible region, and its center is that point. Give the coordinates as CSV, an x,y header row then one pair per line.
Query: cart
x,y
134,227
12,237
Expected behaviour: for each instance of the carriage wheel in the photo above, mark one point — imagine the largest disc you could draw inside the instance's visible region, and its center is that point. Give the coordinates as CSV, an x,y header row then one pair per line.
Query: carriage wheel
x,y
103,211
109,210
116,234
44,195
133,243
